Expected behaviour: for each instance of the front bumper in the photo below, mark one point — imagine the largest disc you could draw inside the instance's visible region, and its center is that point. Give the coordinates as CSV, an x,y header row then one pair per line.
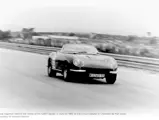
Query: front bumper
x,y
113,72
96,72
79,70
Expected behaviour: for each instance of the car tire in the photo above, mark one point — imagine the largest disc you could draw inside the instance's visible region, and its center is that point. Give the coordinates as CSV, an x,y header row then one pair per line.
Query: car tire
x,y
50,71
111,78
66,75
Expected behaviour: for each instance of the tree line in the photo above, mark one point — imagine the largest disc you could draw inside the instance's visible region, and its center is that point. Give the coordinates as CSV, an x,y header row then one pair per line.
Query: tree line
x,y
5,34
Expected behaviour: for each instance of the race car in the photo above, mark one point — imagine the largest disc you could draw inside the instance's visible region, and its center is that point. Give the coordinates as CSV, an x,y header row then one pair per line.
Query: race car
x,y
82,60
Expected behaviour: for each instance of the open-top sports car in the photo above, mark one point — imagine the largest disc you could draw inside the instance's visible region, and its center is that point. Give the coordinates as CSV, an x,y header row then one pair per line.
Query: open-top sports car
x,y
82,60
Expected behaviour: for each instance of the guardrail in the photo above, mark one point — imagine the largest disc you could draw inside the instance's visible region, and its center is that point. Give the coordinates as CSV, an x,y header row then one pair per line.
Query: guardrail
x,y
123,60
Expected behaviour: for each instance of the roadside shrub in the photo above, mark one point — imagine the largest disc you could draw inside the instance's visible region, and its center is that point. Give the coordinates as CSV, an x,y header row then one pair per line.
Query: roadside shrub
x,y
153,41
135,52
154,53
131,38
108,48
121,51
60,43
144,52
72,34
100,47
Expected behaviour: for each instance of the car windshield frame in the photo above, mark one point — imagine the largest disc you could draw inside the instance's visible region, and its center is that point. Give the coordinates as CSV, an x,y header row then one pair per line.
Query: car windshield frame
x,y
79,49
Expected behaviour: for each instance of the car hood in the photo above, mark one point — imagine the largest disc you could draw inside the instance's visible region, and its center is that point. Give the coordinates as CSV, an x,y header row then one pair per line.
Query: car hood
x,y
98,61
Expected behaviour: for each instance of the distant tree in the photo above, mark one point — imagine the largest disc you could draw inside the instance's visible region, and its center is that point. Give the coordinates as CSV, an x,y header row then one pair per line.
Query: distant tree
x,y
27,33
5,34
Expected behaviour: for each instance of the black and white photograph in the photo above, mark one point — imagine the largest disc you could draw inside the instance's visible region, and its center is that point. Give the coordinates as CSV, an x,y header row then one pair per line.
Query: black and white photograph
x,y
97,58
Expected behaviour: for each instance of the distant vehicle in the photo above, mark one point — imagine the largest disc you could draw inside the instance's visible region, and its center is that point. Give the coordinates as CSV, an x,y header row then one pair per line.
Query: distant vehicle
x,y
76,60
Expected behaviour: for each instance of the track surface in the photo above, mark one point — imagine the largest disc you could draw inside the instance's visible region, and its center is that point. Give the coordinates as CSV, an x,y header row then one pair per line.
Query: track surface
x,y
24,85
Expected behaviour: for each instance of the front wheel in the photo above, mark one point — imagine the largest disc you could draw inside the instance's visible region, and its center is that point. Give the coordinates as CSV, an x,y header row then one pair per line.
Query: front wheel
x,y
66,75
51,73
111,78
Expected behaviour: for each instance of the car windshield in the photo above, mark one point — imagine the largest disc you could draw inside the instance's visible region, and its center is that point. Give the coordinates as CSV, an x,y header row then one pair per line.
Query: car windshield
x,y
77,49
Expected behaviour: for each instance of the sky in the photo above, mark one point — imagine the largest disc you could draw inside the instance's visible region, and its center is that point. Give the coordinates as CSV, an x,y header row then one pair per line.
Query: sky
x,y
122,17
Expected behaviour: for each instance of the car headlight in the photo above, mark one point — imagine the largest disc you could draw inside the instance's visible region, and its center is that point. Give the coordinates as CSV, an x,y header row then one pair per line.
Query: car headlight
x,y
115,64
112,62
78,63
